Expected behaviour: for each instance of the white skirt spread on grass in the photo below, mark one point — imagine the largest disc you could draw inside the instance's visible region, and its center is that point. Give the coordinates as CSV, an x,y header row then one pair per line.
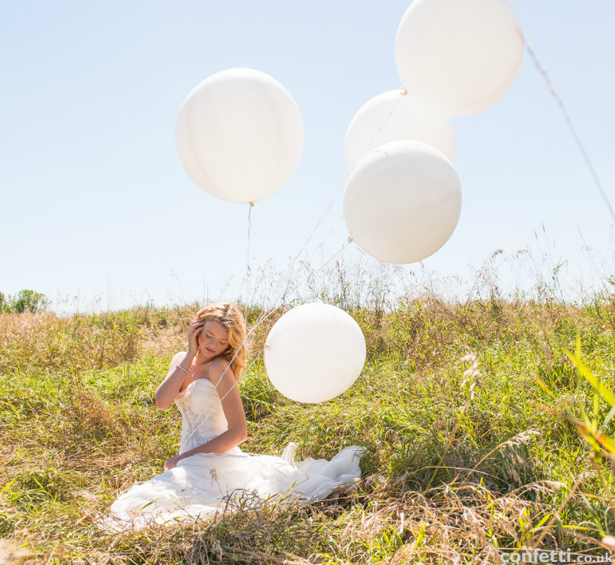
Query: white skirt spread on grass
x,y
204,484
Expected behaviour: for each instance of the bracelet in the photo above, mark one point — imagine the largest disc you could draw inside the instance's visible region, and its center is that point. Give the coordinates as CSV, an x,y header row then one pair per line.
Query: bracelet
x,y
180,367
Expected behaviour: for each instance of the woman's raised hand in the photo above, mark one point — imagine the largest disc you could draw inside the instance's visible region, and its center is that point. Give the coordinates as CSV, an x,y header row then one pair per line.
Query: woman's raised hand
x,y
193,332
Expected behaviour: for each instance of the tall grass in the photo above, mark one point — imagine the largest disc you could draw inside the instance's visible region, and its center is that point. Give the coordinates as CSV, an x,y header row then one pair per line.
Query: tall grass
x,y
457,406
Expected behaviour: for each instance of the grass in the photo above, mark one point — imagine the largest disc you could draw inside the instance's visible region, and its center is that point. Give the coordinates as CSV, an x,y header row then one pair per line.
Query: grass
x,y
463,460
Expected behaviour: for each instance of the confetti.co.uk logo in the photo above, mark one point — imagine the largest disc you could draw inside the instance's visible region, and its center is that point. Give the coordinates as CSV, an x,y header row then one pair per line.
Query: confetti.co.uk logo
x,y
552,557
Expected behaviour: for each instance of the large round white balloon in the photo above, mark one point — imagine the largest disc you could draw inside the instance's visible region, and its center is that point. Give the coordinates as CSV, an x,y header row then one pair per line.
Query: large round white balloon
x,y
239,135
392,116
459,56
402,202
314,353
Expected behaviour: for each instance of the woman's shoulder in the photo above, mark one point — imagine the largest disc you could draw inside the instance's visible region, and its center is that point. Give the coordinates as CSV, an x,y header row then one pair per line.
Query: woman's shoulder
x,y
177,357
220,365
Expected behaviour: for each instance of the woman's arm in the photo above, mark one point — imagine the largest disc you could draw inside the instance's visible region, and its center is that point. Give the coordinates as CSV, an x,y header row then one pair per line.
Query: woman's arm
x,y
168,389
220,444
233,410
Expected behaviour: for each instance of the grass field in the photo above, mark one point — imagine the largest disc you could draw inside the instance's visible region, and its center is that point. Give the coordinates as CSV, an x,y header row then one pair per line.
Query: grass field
x,y
462,460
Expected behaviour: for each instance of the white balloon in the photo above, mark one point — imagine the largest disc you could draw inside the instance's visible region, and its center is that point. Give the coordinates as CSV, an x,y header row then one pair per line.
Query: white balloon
x,y
239,135
392,116
459,56
402,202
314,353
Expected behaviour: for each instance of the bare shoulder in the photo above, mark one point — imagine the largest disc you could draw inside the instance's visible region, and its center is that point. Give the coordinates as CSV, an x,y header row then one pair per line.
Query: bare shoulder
x,y
220,366
178,356
176,359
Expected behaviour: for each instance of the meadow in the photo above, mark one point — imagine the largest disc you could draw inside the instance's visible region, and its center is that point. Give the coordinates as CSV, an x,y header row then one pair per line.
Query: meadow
x,y
486,422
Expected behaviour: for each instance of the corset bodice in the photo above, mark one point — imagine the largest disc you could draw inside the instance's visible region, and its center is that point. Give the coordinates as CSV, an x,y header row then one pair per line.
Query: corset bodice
x,y
202,415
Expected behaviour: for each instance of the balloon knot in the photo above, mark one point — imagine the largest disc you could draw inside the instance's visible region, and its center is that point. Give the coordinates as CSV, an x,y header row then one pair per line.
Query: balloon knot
x,y
252,204
350,240
404,93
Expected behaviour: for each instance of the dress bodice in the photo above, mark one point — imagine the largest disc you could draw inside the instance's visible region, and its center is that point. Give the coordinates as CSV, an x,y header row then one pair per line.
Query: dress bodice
x,y
202,415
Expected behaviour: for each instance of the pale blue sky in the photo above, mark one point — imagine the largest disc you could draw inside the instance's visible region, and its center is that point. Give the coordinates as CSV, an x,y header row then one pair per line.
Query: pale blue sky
x,y
95,200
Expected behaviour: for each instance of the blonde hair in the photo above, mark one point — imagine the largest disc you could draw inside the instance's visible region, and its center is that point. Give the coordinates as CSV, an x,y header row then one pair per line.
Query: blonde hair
x,y
229,316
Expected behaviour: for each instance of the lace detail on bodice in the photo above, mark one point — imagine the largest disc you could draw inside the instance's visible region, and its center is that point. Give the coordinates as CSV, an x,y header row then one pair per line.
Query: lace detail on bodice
x,y
202,414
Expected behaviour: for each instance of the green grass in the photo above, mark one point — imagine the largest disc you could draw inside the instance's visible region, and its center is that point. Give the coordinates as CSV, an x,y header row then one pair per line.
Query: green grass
x,y
461,458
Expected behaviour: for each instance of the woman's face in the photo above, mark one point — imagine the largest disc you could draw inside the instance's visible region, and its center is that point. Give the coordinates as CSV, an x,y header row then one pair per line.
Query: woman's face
x,y
213,339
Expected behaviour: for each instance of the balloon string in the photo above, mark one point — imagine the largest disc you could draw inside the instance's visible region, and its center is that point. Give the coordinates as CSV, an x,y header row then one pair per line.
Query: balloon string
x,y
387,119
327,237
248,272
316,251
579,143
319,222
350,240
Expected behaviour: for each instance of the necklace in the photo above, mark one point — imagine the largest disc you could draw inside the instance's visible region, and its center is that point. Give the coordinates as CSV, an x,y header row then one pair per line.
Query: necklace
x,y
193,369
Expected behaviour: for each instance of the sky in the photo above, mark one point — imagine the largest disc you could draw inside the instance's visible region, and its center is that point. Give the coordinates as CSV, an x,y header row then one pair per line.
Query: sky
x,y
96,204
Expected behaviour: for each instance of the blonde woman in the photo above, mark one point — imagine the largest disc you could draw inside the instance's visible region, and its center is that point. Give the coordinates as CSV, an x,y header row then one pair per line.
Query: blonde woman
x,y
210,467
214,360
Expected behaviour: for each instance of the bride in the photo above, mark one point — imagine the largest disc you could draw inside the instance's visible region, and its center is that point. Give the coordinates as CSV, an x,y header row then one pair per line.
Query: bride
x,y
210,468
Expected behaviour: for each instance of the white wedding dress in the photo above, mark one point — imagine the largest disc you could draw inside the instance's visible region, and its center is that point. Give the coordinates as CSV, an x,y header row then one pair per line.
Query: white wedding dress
x,y
205,483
